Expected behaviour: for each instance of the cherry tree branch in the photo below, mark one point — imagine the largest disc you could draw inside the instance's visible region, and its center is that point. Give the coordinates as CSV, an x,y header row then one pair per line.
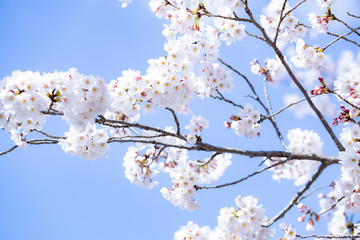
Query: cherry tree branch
x,y
257,98
255,36
351,15
280,20
48,135
346,25
340,37
328,236
9,150
313,191
294,8
295,80
272,118
344,38
297,196
222,98
291,104
332,206
176,121
343,99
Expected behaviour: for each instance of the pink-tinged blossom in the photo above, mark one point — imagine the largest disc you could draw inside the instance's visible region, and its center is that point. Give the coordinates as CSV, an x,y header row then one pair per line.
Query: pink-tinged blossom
x,y
197,124
246,122
318,23
325,3
289,232
308,57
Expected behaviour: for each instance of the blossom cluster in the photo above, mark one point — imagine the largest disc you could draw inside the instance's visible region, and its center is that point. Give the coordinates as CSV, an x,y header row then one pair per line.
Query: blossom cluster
x,y
274,69
288,29
289,230
319,23
197,124
307,56
303,142
347,85
349,181
89,143
189,174
26,99
241,222
246,122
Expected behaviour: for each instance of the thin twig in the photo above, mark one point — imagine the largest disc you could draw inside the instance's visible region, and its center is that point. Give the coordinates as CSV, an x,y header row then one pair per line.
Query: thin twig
x,y
255,36
291,104
351,15
346,25
296,6
222,98
208,161
332,206
343,99
9,150
280,21
340,37
257,98
48,135
243,179
272,119
42,141
312,191
344,38
176,121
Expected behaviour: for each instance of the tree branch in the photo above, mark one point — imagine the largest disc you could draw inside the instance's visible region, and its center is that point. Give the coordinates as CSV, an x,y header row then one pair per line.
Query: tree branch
x,y
295,80
297,196
242,179
176,121
328,236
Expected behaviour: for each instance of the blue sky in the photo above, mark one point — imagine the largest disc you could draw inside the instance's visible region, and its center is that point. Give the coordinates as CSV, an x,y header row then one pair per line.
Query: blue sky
x,y
46,194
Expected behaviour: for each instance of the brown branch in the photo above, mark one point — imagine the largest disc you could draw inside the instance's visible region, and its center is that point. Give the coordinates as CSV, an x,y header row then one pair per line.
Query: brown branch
x,y
48,135
255,36
340,37
222,98
332,206
297,196
346,25
176,121
208,161
200,146
344,38
351,15
280,21
328,236
42,141
223,17
9,150
296,6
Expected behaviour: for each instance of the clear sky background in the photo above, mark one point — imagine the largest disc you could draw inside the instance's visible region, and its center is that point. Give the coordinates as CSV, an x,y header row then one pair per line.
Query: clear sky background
x,y
46,194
